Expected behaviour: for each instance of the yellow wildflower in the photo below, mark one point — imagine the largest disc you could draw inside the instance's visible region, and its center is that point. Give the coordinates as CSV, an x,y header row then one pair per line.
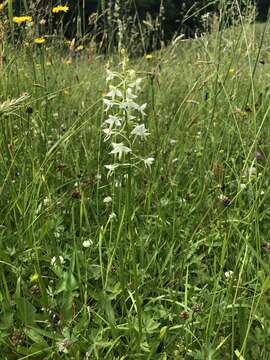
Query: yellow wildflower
x,y
2,6
60,8
68,62
232,71
39,40
148,57
22,19
33,278
79,48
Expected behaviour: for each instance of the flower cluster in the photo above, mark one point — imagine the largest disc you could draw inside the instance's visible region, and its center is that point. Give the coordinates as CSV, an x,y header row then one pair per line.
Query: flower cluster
x,y
123,125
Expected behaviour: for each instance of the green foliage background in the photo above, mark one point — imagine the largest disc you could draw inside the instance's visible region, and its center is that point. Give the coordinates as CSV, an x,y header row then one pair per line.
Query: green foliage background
x,y
182,16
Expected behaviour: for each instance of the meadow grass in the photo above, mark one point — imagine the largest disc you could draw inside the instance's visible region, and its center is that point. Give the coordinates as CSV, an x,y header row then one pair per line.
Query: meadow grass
x,y
181,269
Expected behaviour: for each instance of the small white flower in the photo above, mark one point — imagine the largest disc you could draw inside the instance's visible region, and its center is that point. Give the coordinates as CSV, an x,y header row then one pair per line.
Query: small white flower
x,y
130,94
140,130
148,162
137,84
109,104
251,171
228,274
64,345
107,200
87,243
112,216
54,260
113,121
120,149
114,92
243,186
142,108
62,260
108,133
110,75
46,201
111,168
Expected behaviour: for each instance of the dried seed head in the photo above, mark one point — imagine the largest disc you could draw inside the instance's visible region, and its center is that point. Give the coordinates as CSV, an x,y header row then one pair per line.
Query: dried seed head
x,y
266,247
259,155
224,200
18,337
75,193
29,110
35,290
60,167
196,307
184,315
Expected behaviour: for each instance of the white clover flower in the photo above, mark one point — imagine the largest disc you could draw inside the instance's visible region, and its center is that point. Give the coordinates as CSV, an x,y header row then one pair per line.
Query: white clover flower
x,y
107,199
148,162
140,130
87,243
120,149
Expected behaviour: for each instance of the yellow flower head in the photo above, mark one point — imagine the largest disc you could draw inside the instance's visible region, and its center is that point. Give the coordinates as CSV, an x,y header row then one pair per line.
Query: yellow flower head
x,y
79,48
33,278
68,62
39,40
2,6
60,8
148,57
22,19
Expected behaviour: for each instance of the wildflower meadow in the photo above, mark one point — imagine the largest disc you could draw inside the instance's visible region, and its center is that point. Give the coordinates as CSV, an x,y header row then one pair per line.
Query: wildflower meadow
x,y
134,183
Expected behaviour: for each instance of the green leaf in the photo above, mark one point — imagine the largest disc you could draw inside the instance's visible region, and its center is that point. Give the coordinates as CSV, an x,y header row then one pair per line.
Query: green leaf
x,y
26,311
6,321
35,336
